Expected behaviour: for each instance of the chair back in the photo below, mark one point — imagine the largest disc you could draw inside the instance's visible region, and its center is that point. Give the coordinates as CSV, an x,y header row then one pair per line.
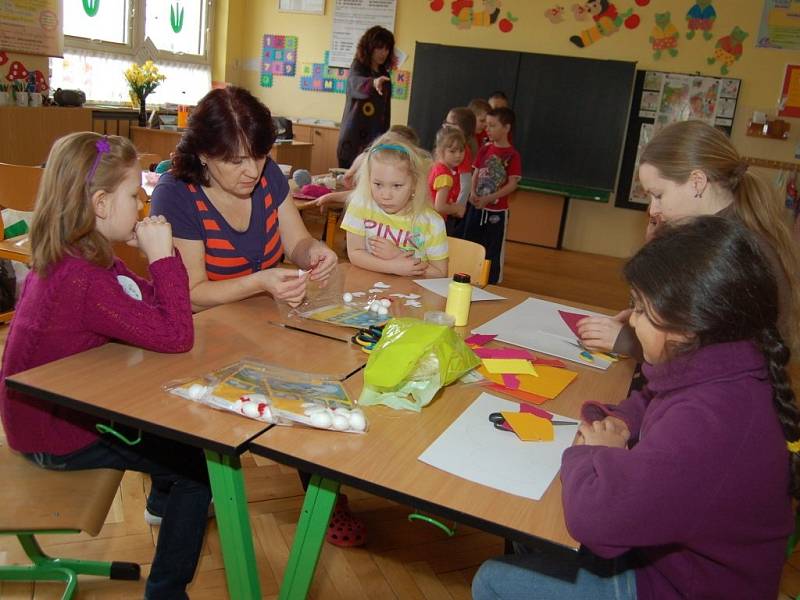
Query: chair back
x,y
148,159
467,257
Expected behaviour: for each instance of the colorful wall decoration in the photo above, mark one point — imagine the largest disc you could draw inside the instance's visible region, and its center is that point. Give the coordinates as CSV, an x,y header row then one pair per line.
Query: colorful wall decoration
x,y
466,14
728,49
320,77
607,20
278,57
401,84
664,36
700,17
780,26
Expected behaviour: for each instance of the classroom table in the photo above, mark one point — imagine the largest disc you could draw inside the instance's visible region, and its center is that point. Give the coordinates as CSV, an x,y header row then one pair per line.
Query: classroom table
x,y
124,384
384,460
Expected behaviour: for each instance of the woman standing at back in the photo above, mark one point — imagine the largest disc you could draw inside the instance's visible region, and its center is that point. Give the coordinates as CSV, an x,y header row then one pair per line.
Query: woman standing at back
x,y
691,169
367,109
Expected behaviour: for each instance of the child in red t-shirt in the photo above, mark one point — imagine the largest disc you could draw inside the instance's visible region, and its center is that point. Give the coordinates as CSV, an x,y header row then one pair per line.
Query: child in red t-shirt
x,y
443,179
480,108
498,169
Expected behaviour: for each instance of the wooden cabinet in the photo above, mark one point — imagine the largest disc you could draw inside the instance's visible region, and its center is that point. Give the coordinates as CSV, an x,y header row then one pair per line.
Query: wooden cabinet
x,y
27,133
536,218
164,141
324,140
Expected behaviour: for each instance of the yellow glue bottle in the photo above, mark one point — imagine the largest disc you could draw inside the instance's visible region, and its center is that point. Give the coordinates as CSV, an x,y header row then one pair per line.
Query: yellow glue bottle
x,y
459,297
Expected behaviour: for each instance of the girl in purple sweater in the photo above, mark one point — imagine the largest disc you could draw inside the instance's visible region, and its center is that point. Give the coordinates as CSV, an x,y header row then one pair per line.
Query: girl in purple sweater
x,y
79,296
683,490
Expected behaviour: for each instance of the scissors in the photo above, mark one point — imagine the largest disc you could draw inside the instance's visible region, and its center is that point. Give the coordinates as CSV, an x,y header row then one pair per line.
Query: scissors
x,y
500,422
368,337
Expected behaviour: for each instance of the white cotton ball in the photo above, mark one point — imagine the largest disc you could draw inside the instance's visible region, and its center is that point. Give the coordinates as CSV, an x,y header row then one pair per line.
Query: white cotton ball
x,y
321,420
258,398
347,297
386,302
196,391
341,410
250,409
357,421
314,409
340,422
382,310
375,306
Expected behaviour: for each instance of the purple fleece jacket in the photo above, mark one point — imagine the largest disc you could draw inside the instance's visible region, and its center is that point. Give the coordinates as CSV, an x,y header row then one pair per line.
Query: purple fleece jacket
x,y
79,306
701,498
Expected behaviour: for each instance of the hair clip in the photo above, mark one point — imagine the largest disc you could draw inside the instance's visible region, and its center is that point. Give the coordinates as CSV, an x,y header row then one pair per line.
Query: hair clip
x,y
103,146
794,447
395,147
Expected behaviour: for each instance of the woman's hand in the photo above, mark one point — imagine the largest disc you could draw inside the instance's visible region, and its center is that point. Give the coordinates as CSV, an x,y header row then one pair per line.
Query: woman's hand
x,y
378,83
600,333
322,260
383,248
153,236
611,432
408,266
331,198
285,285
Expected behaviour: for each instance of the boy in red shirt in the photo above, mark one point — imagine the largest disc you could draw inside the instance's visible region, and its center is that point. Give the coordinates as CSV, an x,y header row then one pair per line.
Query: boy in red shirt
x,y
498,169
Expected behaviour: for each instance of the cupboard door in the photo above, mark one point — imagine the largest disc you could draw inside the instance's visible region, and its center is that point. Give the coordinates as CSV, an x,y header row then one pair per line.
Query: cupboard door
x,y
323,156
302,133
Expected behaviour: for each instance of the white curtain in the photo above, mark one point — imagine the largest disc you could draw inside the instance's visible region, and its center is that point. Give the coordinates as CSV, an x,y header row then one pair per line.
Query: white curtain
x,y
101,77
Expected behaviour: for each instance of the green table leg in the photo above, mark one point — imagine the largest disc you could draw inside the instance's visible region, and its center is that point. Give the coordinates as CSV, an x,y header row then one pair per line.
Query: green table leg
x,y
233,523
314,517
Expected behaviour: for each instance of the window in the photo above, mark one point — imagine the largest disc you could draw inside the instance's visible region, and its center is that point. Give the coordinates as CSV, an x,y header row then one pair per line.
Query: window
x,y
103,37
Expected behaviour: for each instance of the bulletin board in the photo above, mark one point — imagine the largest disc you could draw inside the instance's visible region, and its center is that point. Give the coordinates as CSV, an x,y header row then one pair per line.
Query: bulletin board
x,y
661,98
32,27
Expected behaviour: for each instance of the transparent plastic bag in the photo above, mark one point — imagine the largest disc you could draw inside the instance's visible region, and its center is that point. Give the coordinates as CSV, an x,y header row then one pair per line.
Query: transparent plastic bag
x,y
274,395
412,361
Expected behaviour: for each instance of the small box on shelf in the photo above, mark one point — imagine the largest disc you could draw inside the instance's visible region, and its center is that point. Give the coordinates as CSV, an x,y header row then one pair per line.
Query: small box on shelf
x,y
776,129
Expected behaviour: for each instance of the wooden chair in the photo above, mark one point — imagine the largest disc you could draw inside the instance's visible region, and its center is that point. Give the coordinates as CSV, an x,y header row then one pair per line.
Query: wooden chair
x,y
148,159
37,501
468,257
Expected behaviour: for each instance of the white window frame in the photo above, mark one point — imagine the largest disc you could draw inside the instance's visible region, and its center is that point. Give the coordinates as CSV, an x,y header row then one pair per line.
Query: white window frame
x,y
136,28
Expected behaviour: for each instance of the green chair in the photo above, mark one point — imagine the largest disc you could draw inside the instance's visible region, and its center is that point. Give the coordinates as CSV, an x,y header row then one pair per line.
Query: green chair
x,y
37,501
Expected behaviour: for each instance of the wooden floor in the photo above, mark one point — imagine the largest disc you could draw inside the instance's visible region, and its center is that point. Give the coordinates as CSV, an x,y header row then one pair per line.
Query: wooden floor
x,y
401,560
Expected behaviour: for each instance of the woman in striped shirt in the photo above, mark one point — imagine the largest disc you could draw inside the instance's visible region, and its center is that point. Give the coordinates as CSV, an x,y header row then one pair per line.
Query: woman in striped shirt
x,y
225,199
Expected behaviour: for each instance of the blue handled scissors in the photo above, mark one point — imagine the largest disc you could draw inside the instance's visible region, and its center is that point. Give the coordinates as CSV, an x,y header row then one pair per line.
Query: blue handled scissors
x,y
368,337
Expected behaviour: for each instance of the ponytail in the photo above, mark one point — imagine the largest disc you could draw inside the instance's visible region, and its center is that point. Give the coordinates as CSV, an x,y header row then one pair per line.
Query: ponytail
x,y
757,206
777,355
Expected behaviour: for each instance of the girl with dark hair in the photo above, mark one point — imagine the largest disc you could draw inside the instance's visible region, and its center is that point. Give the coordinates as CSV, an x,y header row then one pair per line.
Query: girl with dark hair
x,y
688,483
691,168
226,201
367,108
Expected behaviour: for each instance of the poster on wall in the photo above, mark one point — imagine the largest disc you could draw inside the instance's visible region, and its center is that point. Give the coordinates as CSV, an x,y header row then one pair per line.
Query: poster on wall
x,y
313,7
32,27
351,18
780,25
665,98
790,93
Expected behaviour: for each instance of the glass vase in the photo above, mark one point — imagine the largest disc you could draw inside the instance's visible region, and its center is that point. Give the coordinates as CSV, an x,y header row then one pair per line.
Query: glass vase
x,y
142,113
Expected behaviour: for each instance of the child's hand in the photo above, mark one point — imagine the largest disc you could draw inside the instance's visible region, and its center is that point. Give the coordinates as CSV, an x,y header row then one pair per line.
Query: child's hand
x,y
284,284
325,200
611,432
323,261
408,266
600,333
383,248
483,201
153,236
461,209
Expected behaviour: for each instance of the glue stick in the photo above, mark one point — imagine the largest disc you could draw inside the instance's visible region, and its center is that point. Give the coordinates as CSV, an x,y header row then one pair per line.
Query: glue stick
x,y
459,297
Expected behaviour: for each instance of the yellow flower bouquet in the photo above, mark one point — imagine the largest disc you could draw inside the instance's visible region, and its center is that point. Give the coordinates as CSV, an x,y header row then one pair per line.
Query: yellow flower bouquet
x,y
142,80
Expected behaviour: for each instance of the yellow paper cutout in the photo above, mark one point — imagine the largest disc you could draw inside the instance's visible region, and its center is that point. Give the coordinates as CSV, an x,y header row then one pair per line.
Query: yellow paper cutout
x,y
550,382
514,366
530,428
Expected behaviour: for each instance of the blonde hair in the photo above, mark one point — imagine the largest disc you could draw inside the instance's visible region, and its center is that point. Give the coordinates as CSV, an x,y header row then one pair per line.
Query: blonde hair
x,y
446,137
393,148
683,147
64,218
405,131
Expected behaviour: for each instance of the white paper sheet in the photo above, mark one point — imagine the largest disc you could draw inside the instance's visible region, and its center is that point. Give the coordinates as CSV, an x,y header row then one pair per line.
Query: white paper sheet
x,y
439,286
536,324
473,449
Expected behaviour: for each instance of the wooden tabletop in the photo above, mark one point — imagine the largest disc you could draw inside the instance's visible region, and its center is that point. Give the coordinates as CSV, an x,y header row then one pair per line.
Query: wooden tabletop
x,y
384,460
125,384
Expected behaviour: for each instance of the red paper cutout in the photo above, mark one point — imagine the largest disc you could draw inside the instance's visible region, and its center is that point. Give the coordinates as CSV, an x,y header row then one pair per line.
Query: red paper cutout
x,y
518,394
17,71
478,339
503,353
550,362
510,381
571,319
3,58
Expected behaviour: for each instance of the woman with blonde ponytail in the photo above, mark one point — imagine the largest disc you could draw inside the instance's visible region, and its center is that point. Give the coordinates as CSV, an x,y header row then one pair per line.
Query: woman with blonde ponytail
x,y
691,169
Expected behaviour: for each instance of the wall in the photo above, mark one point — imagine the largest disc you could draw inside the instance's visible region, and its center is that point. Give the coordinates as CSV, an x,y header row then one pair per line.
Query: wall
x,y
591,227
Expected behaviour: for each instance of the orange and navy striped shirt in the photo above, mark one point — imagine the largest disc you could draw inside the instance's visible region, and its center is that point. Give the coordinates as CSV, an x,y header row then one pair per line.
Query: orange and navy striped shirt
x,y
229,253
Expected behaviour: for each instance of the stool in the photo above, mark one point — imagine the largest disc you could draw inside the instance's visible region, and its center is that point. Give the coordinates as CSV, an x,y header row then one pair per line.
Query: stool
x,y
37,501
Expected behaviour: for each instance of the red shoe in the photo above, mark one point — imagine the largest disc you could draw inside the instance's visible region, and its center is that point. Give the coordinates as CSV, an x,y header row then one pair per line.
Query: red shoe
x,y
345,529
